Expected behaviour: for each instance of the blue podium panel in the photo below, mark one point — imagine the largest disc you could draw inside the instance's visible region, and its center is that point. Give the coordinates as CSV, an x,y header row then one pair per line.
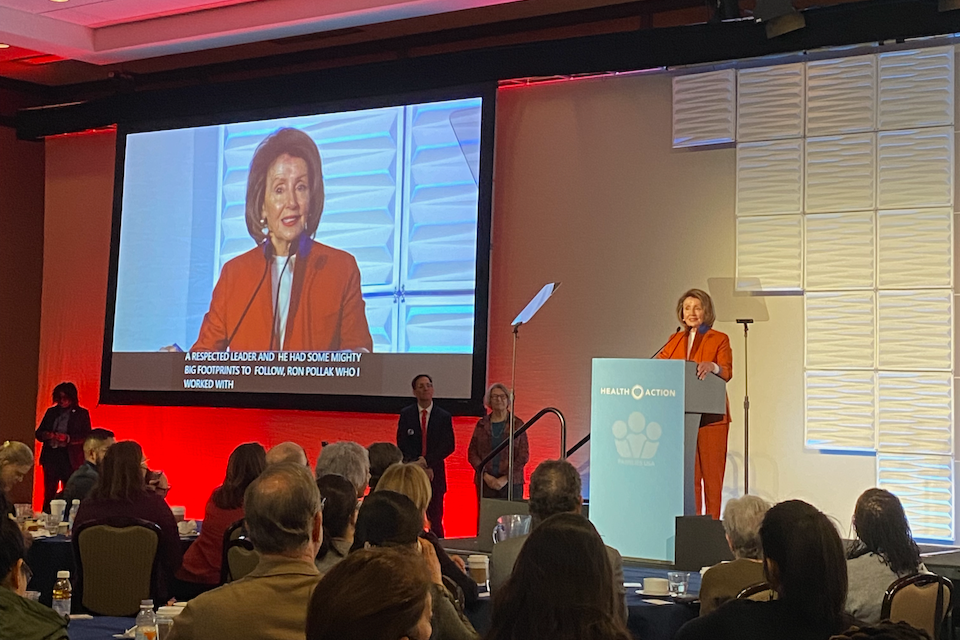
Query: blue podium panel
x,y
637,454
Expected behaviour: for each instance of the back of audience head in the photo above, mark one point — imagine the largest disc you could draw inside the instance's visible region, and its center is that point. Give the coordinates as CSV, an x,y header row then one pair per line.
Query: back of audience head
x,y
96,444
282,511
12,553
741,523
347,459
882,528
339,510
410,480
16,459
382,455
804,562
561,587
245,464
387,519
287,452
554,488
374,594
883,631
121,472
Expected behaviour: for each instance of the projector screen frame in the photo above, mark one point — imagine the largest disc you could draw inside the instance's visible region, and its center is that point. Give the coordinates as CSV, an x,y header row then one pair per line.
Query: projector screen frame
x,y
472,406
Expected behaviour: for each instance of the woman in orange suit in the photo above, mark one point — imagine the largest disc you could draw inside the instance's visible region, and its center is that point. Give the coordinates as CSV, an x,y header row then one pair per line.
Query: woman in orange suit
x,y
710,349
289,293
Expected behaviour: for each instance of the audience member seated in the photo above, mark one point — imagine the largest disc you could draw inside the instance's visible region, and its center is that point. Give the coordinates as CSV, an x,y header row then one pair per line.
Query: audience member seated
x,y
339,520
554,488
121,492
883,631
884,551
287,452
16,460
741,523
804,563
412,481
201,562
347,459
390,519
22,619
382,456
375,594
82,481
561,587
283,519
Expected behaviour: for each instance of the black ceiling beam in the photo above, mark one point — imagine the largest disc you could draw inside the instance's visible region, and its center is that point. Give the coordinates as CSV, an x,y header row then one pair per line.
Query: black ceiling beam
x,y
839,25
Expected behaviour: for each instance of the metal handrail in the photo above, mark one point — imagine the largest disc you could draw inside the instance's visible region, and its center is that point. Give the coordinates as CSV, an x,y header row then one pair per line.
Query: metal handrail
x,y
517,432
572,450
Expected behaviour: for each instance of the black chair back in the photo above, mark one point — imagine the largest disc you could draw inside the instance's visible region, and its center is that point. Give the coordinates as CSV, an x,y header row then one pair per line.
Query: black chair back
x,y
239,556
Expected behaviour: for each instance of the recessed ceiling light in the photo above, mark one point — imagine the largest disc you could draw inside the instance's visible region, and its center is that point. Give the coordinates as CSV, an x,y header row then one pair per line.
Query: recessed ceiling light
x,y
3,45
58,0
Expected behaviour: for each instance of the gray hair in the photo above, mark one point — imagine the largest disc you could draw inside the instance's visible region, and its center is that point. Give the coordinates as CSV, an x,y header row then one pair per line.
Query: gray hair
x,y
741,522
13,452
347,459
495,385
287,452
280,507
554,488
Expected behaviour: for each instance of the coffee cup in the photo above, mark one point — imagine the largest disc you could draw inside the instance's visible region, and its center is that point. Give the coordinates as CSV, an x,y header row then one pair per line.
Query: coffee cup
x,y
179,513
479,566
57,507
656,586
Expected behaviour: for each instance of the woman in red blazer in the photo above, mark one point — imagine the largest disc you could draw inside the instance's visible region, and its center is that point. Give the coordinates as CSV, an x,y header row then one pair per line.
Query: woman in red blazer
x,y
710,349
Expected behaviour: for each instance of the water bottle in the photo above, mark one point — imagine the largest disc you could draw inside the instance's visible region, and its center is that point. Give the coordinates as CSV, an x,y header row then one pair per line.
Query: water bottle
x,y
62,593
74,507
146,621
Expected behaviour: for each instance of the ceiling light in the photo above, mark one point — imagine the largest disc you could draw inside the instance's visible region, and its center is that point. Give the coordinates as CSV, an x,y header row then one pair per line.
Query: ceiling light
x,y
779,17
4,45
58,0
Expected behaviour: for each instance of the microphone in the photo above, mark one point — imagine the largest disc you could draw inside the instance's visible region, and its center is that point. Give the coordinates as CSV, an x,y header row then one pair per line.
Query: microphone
x,y
274,330
268,254
657,352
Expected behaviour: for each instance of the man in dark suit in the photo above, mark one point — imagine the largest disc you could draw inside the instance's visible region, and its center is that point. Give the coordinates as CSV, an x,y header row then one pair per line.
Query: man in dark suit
x,y
425,436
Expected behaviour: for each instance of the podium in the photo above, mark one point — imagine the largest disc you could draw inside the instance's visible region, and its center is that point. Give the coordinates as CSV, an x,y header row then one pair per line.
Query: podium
x,y
645,415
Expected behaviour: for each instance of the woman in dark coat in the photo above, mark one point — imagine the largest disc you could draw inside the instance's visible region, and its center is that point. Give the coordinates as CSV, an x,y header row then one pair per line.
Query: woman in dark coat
x,y
62,431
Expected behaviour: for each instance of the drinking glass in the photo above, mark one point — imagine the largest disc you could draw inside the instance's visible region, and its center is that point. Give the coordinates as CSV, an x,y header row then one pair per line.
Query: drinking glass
x,y
512,526
678,583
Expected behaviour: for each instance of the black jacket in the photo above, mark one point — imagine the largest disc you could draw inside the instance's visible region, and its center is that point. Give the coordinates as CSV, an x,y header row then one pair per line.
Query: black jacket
x,y
440,440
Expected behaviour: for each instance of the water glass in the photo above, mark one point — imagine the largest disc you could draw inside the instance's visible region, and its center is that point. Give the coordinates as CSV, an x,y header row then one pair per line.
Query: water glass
x,y
24,512
51,522
512,526
678,583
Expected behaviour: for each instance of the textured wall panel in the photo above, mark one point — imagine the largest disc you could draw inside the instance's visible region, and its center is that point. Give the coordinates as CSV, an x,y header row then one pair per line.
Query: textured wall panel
x,y
915,330
841,95
915,168
840,330
704,108
915,413
839,251
841,173
924,485
770,103
770,249
770,178
915,248
840,410
916,88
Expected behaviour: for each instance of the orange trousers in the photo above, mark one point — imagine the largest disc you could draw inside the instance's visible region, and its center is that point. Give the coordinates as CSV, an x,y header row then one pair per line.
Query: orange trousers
x,y
709,466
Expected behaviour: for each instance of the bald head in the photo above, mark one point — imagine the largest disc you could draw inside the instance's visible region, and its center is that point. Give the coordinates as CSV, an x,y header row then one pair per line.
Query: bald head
x,y
282,510
287,452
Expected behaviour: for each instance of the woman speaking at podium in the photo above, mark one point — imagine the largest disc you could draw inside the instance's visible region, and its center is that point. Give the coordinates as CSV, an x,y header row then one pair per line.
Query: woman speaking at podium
x,y
698,342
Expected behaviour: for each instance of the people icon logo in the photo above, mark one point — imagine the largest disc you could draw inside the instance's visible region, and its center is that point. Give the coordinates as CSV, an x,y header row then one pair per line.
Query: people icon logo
x,y
637,439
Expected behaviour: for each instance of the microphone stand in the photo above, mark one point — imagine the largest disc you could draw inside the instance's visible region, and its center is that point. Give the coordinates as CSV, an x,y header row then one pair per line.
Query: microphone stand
x,y
746,322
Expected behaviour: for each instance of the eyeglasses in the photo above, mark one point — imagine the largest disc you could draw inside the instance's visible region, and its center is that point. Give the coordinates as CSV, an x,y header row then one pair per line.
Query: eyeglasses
x,y
323,503
26,571
498,396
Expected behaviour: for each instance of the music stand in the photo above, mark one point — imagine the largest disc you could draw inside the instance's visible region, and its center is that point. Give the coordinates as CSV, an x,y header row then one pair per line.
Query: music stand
x,y
524,317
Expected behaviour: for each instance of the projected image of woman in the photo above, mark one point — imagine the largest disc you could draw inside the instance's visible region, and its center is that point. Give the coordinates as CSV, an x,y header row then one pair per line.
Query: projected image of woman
x,y
290,292
710,349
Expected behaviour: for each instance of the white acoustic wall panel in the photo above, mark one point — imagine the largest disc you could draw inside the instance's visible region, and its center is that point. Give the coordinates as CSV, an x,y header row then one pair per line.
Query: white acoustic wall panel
x,y
770,250
841,173
770,103
841,95
704,108
840,410
839,251
916,88
915,412
770,178
924,485
915,330
840,329
915,168
915,248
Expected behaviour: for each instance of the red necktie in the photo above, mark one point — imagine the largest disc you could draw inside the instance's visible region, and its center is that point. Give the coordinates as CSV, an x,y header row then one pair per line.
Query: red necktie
x,y
423,431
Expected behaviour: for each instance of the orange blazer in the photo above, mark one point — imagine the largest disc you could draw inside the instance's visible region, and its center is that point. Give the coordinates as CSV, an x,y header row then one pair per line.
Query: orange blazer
x,y
326,306
710,346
